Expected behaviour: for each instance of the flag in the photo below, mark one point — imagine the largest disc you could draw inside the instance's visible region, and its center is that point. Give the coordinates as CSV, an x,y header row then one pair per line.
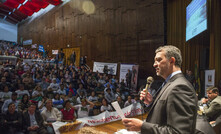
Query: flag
x,y
41,48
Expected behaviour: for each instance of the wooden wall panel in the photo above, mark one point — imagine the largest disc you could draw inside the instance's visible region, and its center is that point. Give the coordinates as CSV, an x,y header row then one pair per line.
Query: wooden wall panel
x,y
122,31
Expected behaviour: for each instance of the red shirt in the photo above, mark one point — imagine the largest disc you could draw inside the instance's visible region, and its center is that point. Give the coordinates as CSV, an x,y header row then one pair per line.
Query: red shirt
x,y
68,114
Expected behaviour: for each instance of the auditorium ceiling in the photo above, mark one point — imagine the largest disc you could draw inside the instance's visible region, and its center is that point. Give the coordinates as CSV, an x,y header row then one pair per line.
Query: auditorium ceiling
x,y
15,11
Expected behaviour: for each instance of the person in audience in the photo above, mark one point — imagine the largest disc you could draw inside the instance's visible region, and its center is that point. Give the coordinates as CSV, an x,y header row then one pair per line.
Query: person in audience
x,y
189,76
54,85
213,103
118,93
7,102
93,98
12,121
71,89
68,112
44,85
120,102
57,101
33,121
26,67
136,99
6,94
71,98
101,80
4,83
23,104
21,91
38,93
67,76
27,80
128,78
110,85
81,89
62,90
109,96
84,109
50,115
41,104
105,106
99,90
129,101
37,79
80,97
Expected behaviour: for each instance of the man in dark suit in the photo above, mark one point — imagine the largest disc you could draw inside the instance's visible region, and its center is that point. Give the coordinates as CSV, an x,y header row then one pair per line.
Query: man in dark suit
x,y
33,121
174,110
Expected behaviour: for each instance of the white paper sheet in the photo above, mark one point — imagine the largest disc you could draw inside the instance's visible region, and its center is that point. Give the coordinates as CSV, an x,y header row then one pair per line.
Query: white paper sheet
x,y
118,109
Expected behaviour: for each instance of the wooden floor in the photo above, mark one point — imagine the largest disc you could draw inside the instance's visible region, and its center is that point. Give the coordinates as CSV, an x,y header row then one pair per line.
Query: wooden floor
x,y
111,127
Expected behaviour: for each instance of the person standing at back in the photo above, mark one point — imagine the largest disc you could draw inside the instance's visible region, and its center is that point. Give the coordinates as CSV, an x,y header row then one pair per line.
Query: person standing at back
x,y
174,109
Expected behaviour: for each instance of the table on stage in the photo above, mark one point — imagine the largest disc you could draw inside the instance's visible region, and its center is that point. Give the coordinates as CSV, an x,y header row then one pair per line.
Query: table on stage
x,y
111,127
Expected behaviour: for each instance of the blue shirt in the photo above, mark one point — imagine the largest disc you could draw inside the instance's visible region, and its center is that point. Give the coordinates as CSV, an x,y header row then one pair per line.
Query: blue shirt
x,y
171,75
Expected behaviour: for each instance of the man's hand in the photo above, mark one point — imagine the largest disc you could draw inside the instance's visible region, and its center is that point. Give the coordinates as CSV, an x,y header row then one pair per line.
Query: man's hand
x,y
132,124
147,97
204,100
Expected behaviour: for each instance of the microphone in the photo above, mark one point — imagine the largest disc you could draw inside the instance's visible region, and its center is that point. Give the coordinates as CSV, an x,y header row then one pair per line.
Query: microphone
x,y
149,82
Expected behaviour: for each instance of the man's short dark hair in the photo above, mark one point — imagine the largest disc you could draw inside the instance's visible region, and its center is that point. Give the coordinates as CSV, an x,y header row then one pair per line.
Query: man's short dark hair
x,y
14,94
213,89
10,104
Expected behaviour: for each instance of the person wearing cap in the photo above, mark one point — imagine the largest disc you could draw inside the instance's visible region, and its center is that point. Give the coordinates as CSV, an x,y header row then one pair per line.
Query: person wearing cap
x,y
7,102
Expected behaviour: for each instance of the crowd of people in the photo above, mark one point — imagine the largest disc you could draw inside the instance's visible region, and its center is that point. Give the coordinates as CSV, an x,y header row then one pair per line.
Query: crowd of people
x,y
33,96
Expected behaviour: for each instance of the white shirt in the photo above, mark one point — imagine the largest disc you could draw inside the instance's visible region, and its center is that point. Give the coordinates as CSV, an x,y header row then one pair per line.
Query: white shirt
x,y
51,116
5,95
82,111
104,108
21,93
92,99
37,93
